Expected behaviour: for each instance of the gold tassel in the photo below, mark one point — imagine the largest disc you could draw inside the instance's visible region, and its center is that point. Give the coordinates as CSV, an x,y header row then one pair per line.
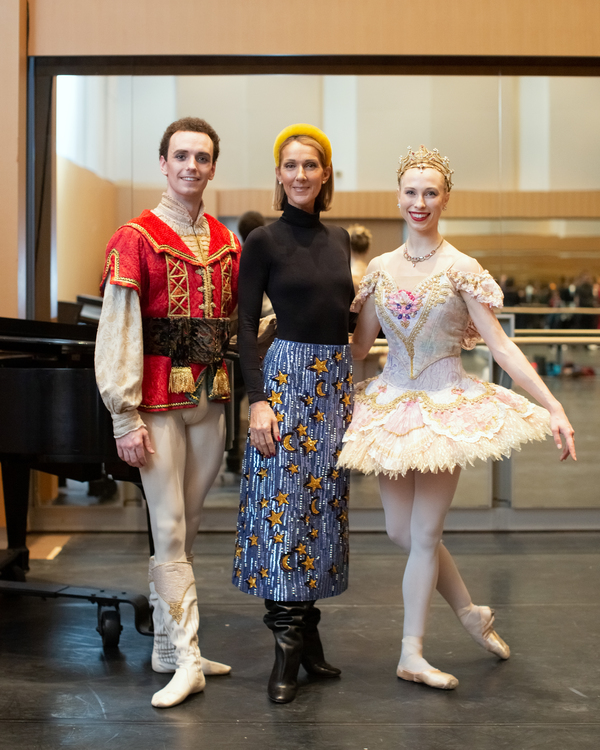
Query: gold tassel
x,y
181,380
220,385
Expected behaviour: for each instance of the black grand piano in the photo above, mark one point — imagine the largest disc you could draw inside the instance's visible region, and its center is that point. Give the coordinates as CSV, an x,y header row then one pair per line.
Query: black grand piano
x,y
52,419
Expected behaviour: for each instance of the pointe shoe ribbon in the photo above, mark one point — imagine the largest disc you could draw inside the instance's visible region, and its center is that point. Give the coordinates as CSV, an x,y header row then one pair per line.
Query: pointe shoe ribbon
x,y
432,677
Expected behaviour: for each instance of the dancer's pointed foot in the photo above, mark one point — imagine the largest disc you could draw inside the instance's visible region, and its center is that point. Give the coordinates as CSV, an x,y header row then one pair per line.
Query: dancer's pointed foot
x,y
479,623
214,667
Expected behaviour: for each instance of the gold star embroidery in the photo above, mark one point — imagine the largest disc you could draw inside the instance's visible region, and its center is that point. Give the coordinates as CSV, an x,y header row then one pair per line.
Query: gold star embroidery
x,y
282,498
309,445
281,378
242,508
263,473
300,548
348,418
274,398
333,570
264,572
318,416
314,483
305,518
253,540
313,533
308,400
346,497
311,583
349,379
275,518
301,429
278,538
238,573
251,581
308,563
337,453
319,366
279,416
346,399
338,356
343,516
293,468
335,503
335,474
238,551
264,502
247,476
338,384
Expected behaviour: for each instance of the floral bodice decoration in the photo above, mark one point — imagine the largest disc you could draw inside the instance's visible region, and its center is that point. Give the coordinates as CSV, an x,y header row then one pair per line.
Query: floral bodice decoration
x,y
430,322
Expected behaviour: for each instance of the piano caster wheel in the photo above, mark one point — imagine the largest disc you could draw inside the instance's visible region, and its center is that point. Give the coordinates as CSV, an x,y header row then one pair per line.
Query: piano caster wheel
x,y
109,627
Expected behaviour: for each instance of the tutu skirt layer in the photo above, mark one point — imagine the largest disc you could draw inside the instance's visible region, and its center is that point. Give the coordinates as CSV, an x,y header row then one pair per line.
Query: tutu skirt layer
x,y
395,430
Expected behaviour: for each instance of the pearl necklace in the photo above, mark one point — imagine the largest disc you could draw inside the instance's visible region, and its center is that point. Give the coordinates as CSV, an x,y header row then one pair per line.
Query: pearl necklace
x,y
414,259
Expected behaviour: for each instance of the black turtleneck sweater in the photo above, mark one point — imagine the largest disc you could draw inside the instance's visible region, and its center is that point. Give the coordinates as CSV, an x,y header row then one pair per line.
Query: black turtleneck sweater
x,y
304,268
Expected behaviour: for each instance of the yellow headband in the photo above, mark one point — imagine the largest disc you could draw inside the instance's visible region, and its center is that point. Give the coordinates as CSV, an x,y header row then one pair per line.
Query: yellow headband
x,y
301,128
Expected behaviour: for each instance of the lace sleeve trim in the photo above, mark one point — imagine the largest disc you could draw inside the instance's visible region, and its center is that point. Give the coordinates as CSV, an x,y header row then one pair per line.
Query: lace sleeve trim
x,y
365,288
483,288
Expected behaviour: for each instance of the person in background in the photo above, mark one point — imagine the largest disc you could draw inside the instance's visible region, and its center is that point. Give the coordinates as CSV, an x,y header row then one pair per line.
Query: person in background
x,y
360,242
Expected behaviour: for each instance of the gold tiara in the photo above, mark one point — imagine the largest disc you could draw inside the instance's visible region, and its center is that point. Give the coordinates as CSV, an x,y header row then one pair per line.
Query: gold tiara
x,y
425,159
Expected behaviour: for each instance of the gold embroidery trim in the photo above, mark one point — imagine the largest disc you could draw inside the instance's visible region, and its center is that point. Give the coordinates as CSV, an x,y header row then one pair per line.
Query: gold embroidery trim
x,y
435,295
371,399
175,608
178,253
178,288
226,296
114,253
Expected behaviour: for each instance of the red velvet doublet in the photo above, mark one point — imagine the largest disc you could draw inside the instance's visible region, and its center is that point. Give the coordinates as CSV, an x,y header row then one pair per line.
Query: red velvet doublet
x,y
147,255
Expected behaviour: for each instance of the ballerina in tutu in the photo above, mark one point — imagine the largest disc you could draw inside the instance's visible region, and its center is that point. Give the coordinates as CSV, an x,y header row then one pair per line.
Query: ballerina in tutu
x,y
424,419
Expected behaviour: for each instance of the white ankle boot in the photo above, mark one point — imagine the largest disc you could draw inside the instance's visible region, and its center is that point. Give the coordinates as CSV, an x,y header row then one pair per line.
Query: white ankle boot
x,y
175,590
163,651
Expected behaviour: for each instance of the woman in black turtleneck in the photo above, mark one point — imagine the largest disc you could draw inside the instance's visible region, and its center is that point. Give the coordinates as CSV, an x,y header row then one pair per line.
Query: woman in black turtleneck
x,y
292,544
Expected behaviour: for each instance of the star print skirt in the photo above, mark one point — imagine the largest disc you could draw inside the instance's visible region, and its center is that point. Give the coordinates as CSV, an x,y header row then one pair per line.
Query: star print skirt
x,y
292,532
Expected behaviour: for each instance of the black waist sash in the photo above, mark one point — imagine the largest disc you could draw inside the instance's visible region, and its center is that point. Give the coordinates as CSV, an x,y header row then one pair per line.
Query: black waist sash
x,y
187,341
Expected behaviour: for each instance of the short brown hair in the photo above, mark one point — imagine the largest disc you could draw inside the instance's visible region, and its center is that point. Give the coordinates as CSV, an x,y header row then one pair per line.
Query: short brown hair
x,y
189,125
325,197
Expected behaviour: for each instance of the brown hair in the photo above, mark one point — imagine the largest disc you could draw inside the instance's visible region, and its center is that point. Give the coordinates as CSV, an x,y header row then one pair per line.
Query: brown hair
x,y
325,197
189,125
360,238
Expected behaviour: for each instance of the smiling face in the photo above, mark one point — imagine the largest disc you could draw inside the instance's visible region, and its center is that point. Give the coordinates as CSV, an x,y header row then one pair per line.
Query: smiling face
x,y
302,175
188,167
422,196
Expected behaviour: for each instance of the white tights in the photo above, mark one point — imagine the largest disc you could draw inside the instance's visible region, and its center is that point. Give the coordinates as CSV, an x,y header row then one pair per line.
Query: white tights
x,y
189,445
415,509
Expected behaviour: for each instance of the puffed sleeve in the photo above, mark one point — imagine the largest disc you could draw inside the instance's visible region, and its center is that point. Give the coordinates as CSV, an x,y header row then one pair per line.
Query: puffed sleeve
x,y
365,288
483,288
119,357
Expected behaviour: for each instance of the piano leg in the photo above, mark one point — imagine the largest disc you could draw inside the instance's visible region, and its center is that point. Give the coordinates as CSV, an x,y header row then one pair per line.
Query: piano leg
x,y
15,482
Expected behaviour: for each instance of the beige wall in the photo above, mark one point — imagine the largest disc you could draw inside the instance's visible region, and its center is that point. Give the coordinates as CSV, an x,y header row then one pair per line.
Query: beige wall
x,y
86,217
13,74
389,27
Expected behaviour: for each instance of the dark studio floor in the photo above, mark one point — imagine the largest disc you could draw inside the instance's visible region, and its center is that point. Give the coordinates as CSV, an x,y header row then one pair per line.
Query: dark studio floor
x,y
58,689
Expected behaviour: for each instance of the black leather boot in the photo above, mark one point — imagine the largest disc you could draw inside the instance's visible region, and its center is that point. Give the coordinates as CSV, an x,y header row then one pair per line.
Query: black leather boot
x,y
313,658
286,620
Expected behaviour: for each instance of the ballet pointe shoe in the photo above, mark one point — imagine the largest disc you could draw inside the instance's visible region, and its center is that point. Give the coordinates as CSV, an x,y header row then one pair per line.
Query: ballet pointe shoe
x,y
479,623
163,651
414,668
313,658
286,621
176,598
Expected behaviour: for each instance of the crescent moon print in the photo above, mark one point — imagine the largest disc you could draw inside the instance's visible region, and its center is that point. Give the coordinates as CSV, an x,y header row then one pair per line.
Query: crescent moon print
x,y
285,564
320,388
313,509
286,442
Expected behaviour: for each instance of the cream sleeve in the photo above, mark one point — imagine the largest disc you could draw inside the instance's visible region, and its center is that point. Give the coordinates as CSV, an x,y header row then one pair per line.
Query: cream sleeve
x,y
119,359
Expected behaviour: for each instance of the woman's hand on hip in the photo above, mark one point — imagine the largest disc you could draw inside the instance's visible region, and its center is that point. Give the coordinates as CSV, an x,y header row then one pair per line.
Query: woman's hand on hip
x,y
264,429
